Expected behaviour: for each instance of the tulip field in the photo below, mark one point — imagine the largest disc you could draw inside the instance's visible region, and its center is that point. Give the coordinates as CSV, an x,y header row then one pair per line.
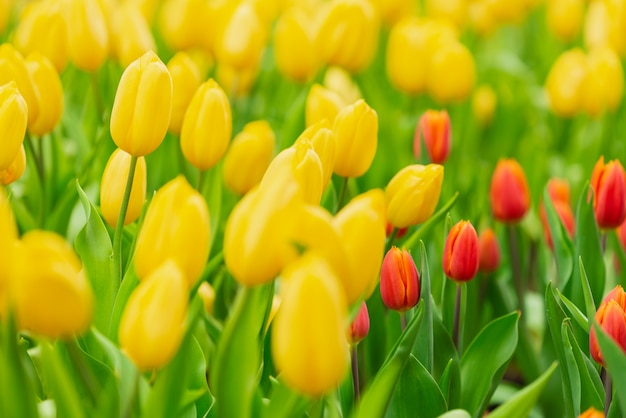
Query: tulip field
x,y
312,208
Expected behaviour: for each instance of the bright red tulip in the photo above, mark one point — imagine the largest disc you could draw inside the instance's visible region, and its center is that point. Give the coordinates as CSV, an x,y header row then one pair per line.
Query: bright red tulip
x,y
609,193
611,317
399,280
434,127
509,195
360,325
460,254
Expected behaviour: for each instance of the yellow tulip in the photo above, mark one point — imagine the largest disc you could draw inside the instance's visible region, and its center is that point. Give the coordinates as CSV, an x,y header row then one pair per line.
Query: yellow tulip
x,y
412,194
13,68
605,23
452,73
481,17
348,34
356,130
341,82
237,83
454,11
113,186
564,82
142,107
186,79
257,242
391,11
42,27
176,226
147,8
49,93
603,85
52,296
361,225
484,102
310,351
565,18
322,103
8,238
302,164
207,126
88,34
294,48
152,325
187,24
14,172
207,293
322,138
13,120
5,12
131,34
248,156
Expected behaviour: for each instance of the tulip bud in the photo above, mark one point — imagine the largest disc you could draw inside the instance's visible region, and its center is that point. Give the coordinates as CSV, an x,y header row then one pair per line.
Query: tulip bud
x,y
207,126
142,107
342,82
149,334
356,130
185,24
8,238
361,226
488,251
13,68
49,93
14,172
248,156
484,104
603,85
87,34
391,11
559,194
399,280
176,226
460,254
294,48
611,317
413,193
322,138
13,120
52,296
608,182
454,11
348,34
434,127
565,18
310,351
131,34
592,413
360,325
114,184
564,82
207,293
42,27
451,74
509,194
186,80
322,103
604,25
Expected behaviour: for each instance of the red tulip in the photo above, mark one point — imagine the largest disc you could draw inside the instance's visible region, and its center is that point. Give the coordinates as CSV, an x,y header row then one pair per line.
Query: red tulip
x,y
399,280
434,126
609,198
611,317
488,251
460,254
360,325
509,195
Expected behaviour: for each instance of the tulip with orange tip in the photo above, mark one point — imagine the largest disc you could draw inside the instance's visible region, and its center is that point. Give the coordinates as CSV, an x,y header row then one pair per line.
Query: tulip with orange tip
x,y
488,251
360,325
399,280
461,252
591,413
611,317
509,194
434,128
608,182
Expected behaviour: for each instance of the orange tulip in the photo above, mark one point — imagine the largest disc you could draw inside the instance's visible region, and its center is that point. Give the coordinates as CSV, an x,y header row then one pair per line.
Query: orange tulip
x,y
460,254
434,127
399,280
488,251
609,193
592,413
611,317
509,195
360,325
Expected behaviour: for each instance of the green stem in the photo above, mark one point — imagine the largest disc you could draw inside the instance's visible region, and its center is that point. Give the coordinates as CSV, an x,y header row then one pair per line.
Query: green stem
x,y
97,95
119,228
457,318
355,374
608,391
86,375
342,193
391,239
517,268
41,174
402,321
201,179
128,413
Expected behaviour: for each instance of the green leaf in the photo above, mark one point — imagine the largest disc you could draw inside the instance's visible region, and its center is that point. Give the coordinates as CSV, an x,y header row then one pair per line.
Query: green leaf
x,y
212,192
285,403
129,283
563,246
424,346
93,245
521,404
591,389
437,217
590,306
450,383
573,310
376,398
456,413
236,366
572,369
484,362
416,387
615,360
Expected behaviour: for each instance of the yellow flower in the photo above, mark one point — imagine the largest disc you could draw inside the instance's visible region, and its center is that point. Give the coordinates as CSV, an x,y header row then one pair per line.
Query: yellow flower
x,y
309,345
14,172
207,293
152,325
5,12
565,18
177,227
391,11
51,296
322,138
342,82
207,126
186,24
322,103
356,130
603,85
88,34
13,120
454,11
8,238
361,226
413,193
451,74
248,156
13,68
113,186
186,79
605,24
564,82
49,93
131,34
294,48
348,34
142,107
237,83
484,102
42,27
